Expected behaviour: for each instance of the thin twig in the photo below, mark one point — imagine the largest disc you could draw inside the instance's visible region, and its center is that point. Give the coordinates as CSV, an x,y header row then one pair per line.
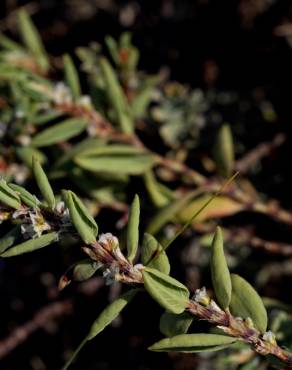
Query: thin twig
x,y
255,155
48,313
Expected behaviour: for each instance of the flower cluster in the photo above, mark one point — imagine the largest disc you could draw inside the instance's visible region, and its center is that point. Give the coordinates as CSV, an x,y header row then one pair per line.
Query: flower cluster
x,y
33,223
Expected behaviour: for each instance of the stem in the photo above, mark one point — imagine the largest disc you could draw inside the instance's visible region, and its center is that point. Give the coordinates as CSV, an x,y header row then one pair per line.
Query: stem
x,y
239,328
72,358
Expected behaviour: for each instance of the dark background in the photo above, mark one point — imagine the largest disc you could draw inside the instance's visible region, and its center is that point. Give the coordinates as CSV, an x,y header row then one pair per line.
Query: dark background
x,y
241,40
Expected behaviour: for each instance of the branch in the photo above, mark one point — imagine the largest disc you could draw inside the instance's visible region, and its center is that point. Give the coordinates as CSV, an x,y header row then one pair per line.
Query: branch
x,y
40,320
255,155
123,271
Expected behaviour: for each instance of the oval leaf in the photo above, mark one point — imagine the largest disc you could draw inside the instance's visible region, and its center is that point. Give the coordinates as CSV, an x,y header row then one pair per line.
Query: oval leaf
x,y
115,159
116,96
71,76
26,197
219,271
81,219
168,292
190,343
8,196
31,245
32,39
245,302
156,194
43,183
171,324
103,320
133,229
110,313
79,271
224,151
153,255
9,239
27,153
59,132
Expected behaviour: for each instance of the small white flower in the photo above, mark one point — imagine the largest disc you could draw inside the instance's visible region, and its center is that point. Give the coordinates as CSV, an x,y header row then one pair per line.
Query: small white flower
x,y
24,140
269,336
19,114
249,323
19,212
64,213
62,209
19,172
91,129
201,296
39,223
213,306
85,102
61,94
110,275
27,230
34,224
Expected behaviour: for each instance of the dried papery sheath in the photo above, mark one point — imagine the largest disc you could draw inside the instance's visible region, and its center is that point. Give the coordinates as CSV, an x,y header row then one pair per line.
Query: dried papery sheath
x,y
108,241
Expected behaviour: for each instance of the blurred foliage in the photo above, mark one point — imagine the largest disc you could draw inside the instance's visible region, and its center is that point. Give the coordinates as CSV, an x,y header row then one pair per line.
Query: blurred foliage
x,y
107,130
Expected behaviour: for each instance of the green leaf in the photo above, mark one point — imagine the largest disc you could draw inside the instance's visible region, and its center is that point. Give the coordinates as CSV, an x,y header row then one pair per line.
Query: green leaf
x,y
116,96
153,255
88,143
81,219
71,76
9,239
83,270
8,196
121,159
143,97
45,117
31,245
32,40
113,49
110,313
26,197
245,302
103,320
171,324
190,343
79,271
224,151
168,292
26,154
133,229
153,187
9,44
219,271
60,132
43,183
